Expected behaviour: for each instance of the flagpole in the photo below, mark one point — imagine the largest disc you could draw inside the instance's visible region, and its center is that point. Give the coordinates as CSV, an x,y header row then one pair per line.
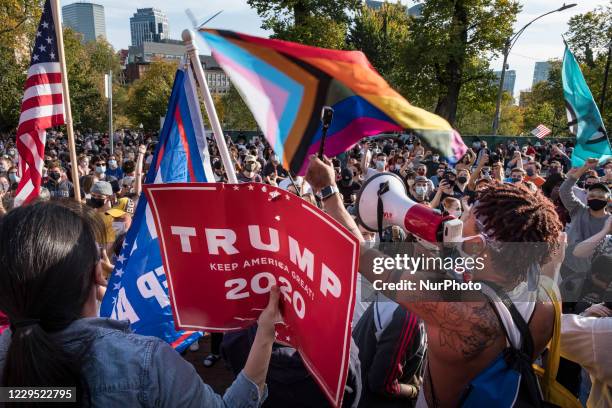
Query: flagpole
x,y
192,52
55,6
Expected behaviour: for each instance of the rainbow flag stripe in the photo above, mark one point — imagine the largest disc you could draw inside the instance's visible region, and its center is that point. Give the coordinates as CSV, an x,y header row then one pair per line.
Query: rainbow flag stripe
x,y
286,85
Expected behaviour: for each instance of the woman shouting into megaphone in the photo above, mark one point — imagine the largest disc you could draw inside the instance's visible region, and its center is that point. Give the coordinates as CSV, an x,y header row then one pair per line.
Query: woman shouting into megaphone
x,y
514,232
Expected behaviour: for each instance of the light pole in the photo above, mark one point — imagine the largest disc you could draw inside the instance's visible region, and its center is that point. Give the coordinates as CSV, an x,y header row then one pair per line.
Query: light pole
x,y
507,47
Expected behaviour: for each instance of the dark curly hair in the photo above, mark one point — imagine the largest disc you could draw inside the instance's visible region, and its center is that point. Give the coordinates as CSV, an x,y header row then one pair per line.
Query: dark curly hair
x,y
513,215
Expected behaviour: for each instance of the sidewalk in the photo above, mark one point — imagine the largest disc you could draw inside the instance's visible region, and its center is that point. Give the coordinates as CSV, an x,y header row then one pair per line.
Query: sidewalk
x,y
218,377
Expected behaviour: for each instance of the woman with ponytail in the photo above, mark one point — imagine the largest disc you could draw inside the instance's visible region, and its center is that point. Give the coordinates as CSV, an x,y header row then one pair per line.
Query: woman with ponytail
x,y
49,271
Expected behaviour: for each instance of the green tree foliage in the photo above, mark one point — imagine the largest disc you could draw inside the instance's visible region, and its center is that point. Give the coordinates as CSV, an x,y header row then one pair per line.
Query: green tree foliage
x,y
18,19
589,34
148,96
321,23
234,113
382,35
449,44
86,85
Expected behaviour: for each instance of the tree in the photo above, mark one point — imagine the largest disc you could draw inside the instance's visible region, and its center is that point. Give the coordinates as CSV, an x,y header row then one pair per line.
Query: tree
x,y
148,97
86,85
18,20
588,37
236,114
382,36
321,23
545,103
449,43
589,34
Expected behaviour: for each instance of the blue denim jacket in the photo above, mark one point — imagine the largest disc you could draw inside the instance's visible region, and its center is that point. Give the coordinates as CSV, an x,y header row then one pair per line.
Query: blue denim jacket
x,y
125,369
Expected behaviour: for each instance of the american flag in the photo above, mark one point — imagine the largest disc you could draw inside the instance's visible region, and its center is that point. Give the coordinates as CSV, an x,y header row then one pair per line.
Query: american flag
x,y
41,108
541,131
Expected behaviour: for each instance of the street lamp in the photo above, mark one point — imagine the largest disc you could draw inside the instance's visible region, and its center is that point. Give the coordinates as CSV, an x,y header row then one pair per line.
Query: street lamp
x,y
507,47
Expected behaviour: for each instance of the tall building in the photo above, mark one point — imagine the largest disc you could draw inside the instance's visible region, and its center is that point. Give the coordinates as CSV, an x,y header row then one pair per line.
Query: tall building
x,y
149,24
509,80
85,18
541,72
414,11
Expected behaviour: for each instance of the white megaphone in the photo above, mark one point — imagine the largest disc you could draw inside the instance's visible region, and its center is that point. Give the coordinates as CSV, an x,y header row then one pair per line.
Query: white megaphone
x,y
396,208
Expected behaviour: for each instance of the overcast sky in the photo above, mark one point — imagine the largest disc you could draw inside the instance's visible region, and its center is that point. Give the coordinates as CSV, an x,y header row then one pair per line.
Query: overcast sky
x,y
540,42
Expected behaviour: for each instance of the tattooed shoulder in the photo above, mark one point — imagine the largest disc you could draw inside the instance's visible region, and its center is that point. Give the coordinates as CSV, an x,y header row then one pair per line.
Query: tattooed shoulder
x,y
468,327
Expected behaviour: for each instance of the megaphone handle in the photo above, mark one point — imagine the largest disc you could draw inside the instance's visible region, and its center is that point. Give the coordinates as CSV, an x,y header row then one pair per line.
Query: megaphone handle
x,y
382,189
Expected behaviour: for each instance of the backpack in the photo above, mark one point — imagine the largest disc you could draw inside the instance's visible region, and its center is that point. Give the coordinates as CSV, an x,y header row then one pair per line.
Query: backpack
x,y
510,380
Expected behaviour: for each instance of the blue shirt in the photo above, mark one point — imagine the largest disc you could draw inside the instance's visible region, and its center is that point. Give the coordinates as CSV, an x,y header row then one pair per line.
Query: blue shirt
x,y
117,173
126,369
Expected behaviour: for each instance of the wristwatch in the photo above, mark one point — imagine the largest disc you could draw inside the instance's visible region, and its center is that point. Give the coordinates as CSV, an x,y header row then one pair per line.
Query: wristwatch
x,y
328,191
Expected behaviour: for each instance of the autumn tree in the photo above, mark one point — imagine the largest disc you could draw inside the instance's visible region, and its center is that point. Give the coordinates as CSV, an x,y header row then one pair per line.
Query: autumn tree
x,y
321,23
449,43
148,96
382,36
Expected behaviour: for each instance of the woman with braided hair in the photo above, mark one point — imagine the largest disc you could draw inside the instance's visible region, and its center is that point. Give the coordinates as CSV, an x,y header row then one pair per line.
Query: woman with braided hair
x,y
469,335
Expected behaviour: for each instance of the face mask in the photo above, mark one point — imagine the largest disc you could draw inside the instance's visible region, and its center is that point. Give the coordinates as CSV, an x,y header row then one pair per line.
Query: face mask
x,y
462,180
14,178
96,202
596,205
100,169
249,167
119,227
455,213
530,172
380,165
515,179
54,176
398,166
420,190
112,164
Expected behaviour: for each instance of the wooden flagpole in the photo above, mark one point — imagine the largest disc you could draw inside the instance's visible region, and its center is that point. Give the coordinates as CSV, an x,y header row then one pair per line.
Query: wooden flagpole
x,y
192,52
55,6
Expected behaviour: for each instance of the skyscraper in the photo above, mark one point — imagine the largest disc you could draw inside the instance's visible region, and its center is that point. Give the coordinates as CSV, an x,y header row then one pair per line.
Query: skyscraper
x,y
509,80
541,72
85,18
148,24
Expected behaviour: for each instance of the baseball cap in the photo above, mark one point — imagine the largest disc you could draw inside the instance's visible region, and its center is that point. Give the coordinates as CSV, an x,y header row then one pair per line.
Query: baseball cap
x,y
103,188
124,206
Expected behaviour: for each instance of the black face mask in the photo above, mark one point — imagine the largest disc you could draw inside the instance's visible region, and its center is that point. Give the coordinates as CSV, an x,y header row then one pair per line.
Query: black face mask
x,y
462,180
54,176
95,202
596,205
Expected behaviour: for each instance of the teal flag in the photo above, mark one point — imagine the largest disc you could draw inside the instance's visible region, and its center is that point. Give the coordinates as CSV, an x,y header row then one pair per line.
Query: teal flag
x,y
583,115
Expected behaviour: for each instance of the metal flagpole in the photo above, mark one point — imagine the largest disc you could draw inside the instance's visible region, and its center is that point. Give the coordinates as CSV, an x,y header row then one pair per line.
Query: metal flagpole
x,y
55,5
192,52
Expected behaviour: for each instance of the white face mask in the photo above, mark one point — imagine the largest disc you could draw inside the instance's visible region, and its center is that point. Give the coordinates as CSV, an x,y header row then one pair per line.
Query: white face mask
x,y
455,213
119,227
420,190
380,164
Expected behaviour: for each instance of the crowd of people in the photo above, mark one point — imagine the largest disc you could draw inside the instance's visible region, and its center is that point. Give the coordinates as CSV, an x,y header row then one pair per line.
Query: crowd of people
x,y
403,352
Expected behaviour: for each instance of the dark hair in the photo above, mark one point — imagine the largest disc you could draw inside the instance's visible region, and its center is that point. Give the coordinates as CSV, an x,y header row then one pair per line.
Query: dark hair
x,y
513,214
129,166
48,255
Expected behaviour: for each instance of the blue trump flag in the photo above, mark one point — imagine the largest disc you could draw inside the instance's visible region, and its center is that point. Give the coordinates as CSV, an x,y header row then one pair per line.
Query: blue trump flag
x,y
583,115
138,290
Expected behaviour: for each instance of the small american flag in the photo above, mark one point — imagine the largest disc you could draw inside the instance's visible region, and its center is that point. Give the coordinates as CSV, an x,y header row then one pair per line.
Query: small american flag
x,y
41,108
541,131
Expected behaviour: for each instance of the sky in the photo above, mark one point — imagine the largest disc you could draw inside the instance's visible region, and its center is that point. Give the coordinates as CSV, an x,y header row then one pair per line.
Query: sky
x,y
540,42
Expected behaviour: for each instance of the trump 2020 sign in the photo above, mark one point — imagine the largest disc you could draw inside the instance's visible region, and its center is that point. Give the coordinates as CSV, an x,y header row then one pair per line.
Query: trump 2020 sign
x,y
225,245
